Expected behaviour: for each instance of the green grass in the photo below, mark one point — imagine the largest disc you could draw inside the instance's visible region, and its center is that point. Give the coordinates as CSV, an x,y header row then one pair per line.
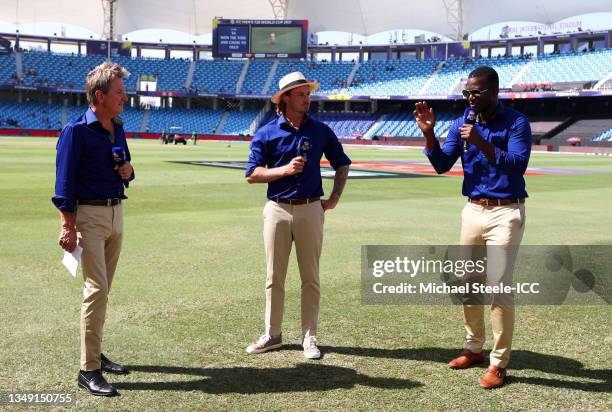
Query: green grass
x,y
188,296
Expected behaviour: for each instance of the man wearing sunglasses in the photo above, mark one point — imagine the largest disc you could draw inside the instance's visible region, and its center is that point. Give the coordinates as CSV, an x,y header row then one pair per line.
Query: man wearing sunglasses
x,y
494,149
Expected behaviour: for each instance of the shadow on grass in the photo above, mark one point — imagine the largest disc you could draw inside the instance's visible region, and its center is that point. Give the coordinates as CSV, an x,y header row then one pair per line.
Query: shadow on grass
x,y
302,378
521,359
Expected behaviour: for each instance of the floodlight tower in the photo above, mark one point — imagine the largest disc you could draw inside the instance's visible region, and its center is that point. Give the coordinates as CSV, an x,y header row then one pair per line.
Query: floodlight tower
x,y
279,8
454,16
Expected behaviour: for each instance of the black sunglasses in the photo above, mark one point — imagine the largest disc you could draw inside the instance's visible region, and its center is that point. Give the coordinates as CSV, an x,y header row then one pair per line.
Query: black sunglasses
x,y
474,92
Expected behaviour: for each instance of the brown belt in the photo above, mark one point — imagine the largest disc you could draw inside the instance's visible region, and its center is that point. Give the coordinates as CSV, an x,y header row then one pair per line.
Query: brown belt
x,y
296,201
483,201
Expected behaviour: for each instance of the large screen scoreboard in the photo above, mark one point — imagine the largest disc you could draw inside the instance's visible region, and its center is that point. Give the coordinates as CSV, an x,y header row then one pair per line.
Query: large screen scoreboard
x,y
260,38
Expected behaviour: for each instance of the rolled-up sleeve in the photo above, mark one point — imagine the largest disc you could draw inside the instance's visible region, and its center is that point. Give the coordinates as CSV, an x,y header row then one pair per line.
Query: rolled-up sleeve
x,y
334,152
516,158
67,158
443,158
257,157
128,157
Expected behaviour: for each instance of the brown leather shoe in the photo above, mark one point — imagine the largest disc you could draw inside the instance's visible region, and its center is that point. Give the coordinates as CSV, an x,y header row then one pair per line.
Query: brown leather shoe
x,y
466,359
494,378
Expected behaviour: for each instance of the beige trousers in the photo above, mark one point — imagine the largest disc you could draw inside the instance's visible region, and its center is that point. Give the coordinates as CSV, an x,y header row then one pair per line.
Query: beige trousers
x,y
100,232
501,229
283,225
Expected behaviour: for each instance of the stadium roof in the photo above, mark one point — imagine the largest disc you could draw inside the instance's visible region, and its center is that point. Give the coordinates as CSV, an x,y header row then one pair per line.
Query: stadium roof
x,y
364,17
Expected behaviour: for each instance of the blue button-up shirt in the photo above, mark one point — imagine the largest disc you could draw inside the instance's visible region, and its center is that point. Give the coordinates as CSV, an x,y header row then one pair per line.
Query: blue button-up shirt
x,y
276,143
510,133
84,162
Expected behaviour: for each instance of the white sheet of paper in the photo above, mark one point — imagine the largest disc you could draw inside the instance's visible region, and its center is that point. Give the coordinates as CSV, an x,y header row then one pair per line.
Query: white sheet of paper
x,y
71,260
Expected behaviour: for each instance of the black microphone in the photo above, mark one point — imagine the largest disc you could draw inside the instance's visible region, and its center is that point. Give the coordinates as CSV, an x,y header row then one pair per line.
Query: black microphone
x,y
119,159
304,147
469,117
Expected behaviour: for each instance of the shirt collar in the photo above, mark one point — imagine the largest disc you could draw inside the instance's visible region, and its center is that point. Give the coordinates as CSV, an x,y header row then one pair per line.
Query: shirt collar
x,y
500,112
282,121
90,116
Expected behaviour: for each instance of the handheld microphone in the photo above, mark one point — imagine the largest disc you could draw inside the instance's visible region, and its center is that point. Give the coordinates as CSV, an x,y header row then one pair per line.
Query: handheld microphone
x,y
469,117
119,160
304,147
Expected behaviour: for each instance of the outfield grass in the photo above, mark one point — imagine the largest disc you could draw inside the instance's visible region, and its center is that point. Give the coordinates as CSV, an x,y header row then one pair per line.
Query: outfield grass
x,y
188,296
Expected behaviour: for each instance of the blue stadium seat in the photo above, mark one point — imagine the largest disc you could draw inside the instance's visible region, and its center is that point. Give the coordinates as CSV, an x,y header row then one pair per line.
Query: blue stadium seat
x,y
201,121
347,125
395,77
330,75
239,122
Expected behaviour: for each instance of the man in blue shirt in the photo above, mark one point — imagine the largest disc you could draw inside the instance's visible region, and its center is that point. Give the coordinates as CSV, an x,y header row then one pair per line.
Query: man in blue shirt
x,y
494,151
92,169
286,154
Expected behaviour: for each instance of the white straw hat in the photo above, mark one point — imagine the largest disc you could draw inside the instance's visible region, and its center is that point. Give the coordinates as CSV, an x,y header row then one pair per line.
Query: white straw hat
x,y
291,81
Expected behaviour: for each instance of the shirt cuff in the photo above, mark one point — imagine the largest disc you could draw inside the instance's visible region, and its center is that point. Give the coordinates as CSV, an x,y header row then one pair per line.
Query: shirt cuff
x,y
64,204
432,153
250,169
338,165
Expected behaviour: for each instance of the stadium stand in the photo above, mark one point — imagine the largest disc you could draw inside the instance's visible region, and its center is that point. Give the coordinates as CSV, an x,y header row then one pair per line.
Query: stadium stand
x,y
239,122
170,74
199,121
330,75
218,76
29,115
347,125
7,69
605,136
569,67
453,71
586,129
256,76
403,124
59,70
397,77
373,77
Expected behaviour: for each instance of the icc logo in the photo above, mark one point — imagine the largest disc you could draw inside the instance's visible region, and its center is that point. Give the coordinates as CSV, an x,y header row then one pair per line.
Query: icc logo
x,y
305,146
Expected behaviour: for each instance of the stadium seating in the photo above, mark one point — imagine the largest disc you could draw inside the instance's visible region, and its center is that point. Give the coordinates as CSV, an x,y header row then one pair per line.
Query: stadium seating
x,y
395,77
7,69
604,136
171,74
217,76
330,75
57,70
453,70
202,121
373,77
132,117
347,125
585,129
29,115
239,122
404,125
256,76
569,67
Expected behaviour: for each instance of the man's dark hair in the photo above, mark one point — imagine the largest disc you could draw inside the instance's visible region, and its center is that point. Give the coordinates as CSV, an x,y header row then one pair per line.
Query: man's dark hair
x,y
487,73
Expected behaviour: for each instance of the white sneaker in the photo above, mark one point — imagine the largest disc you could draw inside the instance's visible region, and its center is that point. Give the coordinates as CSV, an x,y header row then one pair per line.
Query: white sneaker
x,y
311,351
264,344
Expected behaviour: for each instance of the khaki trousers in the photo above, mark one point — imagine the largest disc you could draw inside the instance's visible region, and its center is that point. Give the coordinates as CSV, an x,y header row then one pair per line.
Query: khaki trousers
x,y
501,229
100,232
283,225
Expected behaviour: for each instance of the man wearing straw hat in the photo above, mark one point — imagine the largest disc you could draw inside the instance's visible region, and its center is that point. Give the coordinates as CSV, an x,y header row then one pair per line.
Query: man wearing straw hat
x,y
286,154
